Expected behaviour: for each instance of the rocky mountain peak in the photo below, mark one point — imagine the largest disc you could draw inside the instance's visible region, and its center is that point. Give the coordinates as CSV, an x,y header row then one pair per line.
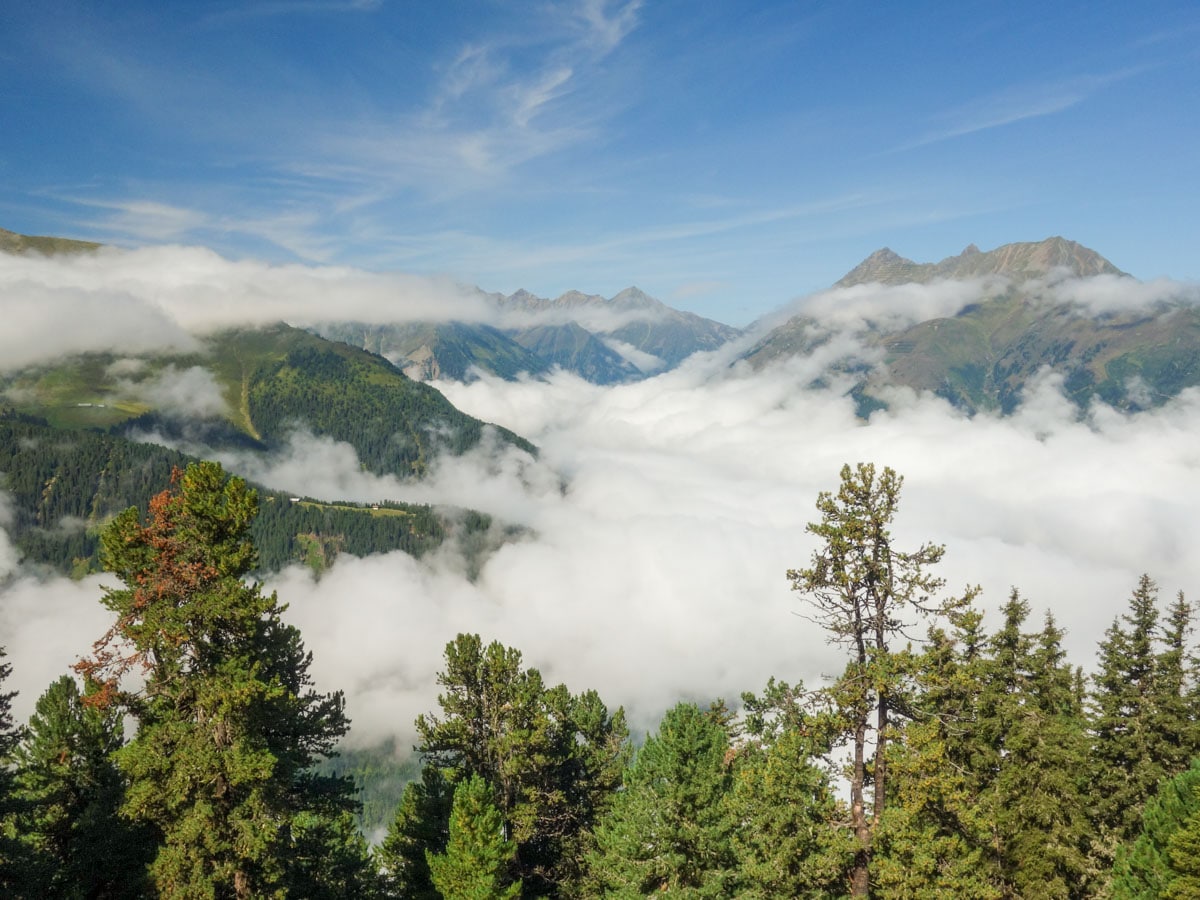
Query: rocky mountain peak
x,y
884,265
1018,261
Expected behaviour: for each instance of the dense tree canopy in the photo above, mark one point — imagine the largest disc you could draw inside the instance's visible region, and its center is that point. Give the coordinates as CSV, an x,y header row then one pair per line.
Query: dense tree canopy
x,y
981,764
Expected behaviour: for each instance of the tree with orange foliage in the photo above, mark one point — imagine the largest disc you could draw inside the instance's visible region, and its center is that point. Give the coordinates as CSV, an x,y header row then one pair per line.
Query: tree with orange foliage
x,y
228,725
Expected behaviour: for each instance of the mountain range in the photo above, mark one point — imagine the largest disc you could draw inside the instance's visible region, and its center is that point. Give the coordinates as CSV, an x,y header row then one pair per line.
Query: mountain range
x,y
1010,317
605,340
74,431
1014,323
1025,316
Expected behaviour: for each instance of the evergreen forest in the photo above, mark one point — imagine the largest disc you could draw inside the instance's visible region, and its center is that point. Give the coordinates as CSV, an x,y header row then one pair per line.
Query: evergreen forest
x,y
65,486
189,755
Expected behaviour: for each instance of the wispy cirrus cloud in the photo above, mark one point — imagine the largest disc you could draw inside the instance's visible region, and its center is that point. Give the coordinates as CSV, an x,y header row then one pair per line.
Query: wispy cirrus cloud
x,y
143,219
1015,104
500,102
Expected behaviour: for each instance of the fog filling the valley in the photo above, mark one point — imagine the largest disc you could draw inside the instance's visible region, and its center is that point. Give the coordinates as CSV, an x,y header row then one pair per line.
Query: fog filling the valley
x,y
662,515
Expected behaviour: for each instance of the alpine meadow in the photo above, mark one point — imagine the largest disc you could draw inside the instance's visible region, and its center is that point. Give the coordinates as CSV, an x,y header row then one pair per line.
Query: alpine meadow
x,y
600,448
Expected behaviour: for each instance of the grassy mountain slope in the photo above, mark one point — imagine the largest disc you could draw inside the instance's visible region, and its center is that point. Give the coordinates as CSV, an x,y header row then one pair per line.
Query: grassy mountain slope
x,y
11,242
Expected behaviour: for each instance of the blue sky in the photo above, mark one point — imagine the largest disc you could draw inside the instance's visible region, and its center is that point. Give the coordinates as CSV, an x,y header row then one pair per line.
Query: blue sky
x,y
724,157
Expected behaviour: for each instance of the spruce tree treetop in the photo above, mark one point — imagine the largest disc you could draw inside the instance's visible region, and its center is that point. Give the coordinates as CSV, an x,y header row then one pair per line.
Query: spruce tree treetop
x,y
479,859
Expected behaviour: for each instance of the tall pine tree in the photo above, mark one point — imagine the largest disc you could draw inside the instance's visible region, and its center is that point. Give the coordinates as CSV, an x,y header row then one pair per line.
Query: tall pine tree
x,y
1126,745
421,826
1031,719
933,839
17,865
228,725
479,860
785,838
552,759
865,592
1142,730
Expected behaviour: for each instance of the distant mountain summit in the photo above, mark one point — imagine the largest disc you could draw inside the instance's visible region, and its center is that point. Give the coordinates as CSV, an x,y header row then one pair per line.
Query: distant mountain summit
x,y
605,340
630,320
983,357
1014,261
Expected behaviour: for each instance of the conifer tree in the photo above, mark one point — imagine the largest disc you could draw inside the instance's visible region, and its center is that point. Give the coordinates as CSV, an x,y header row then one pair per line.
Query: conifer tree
x,y
478,859
17,865
420,827
786,843
667,830
1177,729
71,792
1127,745
1032,720
228,725
1142,870
933,839
865,593
552,759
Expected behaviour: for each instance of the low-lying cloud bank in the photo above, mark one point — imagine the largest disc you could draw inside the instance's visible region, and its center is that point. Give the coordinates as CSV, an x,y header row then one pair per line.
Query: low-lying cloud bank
x,y
662,515
134,301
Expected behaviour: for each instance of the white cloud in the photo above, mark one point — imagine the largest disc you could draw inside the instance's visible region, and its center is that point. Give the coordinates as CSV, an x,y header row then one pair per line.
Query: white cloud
x,y
190,392
154,298
1016,104
893,306
1107,294
661,516
646,362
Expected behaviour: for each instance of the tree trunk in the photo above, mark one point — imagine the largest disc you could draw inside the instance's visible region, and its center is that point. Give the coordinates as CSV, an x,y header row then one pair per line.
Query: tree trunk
x,y
860,880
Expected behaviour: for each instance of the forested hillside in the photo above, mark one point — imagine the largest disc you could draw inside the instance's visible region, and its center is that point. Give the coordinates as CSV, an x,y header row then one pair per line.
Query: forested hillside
x,y
975,762
251,389
65,486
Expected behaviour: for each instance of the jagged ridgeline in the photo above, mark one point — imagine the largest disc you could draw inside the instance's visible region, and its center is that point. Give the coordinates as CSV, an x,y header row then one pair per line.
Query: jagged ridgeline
x,y
603,340
68,461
